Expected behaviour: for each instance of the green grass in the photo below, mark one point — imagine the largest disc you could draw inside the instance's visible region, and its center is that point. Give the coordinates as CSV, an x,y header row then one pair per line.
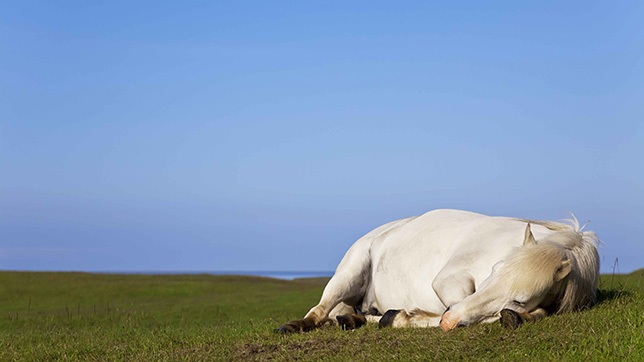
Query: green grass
x,y
75,316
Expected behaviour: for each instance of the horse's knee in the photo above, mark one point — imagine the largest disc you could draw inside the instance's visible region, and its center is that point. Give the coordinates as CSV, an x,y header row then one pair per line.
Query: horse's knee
x,y
452,288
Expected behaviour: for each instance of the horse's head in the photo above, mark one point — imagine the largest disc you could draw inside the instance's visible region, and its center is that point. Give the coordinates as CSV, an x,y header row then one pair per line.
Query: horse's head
x,y
527,278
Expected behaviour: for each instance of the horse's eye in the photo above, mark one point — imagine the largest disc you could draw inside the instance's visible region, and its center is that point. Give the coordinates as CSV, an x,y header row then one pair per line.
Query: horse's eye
x,y
521,304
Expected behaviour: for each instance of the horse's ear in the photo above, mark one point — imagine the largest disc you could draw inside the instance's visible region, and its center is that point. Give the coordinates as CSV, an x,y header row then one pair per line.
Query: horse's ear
x,y
528,238
563,270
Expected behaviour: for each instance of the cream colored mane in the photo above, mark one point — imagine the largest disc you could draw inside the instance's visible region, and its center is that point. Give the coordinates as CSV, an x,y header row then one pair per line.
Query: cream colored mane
x,y
570,242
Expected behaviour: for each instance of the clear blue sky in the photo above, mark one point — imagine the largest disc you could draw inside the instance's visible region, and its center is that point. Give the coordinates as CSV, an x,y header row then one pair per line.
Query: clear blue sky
x,y
234,135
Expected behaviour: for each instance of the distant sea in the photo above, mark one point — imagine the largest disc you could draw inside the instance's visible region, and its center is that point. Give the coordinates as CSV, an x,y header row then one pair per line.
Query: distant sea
x,y
286,275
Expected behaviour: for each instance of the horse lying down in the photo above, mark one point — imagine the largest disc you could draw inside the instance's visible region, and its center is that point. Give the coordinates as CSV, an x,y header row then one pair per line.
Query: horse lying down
x,y
452,268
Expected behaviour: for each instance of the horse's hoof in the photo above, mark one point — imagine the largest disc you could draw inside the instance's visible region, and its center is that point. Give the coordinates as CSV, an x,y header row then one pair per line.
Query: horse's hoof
x,y
387,319
345,322
510,319
350,321
286,328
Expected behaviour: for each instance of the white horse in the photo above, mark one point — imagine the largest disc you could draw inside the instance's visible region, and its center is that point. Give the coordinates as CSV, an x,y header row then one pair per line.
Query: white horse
x,y
455,268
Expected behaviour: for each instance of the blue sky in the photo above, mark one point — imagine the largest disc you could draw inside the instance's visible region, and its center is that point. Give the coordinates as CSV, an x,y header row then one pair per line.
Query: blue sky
x,y
232,135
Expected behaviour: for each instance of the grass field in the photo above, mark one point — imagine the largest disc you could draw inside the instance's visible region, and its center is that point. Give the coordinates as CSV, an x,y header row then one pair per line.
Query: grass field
x,y
75,316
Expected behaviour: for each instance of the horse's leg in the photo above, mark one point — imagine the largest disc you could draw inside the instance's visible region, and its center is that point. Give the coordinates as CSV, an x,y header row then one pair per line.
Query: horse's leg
x,y
415,318
453,287
450,287
347,286
512,320
343,287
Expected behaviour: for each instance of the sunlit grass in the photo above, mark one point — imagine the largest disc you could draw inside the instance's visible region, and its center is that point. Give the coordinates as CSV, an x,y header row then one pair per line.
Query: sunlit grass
x,y
75,316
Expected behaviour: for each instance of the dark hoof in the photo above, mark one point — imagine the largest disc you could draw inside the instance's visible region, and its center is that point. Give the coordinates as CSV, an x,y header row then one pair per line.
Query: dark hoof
x,y
287,328
300,325
387,319
351,321
510,319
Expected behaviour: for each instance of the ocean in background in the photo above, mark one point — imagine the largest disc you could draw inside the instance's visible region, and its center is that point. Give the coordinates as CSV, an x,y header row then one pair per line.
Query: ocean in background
x,y
285,275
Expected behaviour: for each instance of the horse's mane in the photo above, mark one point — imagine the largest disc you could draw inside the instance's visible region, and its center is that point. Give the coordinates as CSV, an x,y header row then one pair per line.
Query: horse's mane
x,y
580,289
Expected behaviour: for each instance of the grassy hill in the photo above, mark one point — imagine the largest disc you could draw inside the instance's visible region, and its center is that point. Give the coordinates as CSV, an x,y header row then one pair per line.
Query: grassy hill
x,y
76,316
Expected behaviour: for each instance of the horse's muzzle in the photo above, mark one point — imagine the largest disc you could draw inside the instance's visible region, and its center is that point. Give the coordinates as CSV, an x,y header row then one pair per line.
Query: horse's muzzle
x,y
447,322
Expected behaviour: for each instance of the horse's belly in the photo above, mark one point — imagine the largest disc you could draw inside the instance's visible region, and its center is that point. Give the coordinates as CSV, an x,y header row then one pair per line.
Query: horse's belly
x,y
402,275
391,292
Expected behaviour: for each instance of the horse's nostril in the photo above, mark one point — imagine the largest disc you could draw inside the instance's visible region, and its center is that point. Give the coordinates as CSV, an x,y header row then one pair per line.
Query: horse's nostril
x,y
448,308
